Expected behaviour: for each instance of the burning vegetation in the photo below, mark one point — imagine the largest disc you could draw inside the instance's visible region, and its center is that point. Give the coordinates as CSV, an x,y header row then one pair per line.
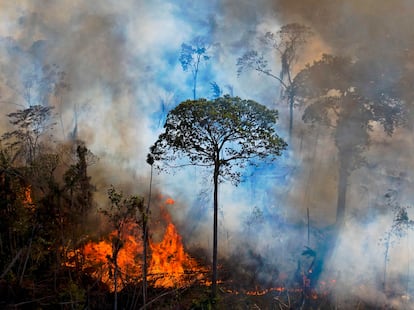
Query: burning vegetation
x,y
169,265
111,264
322,214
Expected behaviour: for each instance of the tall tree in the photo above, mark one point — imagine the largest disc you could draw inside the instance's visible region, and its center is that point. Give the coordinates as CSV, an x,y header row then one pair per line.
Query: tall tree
x,y
287,42
340,99
191,57
145,213
224,135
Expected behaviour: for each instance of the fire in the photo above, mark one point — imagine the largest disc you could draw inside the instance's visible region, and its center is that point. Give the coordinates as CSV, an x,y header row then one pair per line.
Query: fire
x,y
169,265
169,201
261,292
99,262
27,198
169,261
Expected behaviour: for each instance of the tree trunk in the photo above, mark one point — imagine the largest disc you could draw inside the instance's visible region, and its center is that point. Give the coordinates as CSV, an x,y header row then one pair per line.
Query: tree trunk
x,y
144,219
194,86
342,189
215,226
145,263
386,253
291,105
115,283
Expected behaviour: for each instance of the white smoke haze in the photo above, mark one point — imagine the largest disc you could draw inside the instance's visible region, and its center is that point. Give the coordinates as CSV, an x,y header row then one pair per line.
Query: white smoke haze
x,y
121,61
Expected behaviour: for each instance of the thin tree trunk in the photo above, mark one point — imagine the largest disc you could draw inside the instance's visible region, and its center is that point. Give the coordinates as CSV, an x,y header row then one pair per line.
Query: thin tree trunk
x,y
291,105
342,189
195,76
144,264
215,228
145,249
117,247
195,86
408,264
307,214
11,264
115,284
387,248
27,256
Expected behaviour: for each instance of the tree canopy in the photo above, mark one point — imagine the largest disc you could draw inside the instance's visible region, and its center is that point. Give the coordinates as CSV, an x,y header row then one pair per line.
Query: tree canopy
x,y
227,131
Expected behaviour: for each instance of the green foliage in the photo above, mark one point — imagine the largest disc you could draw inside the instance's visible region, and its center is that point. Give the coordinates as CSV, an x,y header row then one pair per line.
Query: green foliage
x,y
39,224
228,132
224,134
122,210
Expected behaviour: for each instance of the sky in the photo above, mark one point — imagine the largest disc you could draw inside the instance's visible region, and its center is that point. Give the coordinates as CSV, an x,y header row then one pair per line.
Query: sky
x,y
120,59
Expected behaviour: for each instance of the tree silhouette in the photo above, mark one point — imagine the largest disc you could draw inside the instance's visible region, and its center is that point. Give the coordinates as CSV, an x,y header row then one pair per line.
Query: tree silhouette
x,y
30,125
339,99
224,135
191,57
287,42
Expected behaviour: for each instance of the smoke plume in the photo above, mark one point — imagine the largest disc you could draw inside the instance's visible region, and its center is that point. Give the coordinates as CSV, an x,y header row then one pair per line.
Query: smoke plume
x,y
120,59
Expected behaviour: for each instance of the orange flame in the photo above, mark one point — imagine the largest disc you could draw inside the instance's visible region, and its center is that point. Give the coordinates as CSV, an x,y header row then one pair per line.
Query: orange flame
x,y
169,265
98,261
27,199
169,201
169,261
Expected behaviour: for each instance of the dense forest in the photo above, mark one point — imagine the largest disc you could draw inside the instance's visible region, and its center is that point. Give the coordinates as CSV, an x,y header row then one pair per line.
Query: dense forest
x,y
206,155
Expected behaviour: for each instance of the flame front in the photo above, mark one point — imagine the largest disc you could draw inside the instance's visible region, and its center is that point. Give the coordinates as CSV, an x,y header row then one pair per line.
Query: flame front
x,y
98,261
169,265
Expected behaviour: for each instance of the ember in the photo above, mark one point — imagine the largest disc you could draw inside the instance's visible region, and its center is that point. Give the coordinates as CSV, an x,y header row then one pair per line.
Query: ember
x,y
27,198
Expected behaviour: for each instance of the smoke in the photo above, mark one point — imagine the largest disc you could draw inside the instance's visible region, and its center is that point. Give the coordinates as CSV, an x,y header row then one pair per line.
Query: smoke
x,y
121,62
